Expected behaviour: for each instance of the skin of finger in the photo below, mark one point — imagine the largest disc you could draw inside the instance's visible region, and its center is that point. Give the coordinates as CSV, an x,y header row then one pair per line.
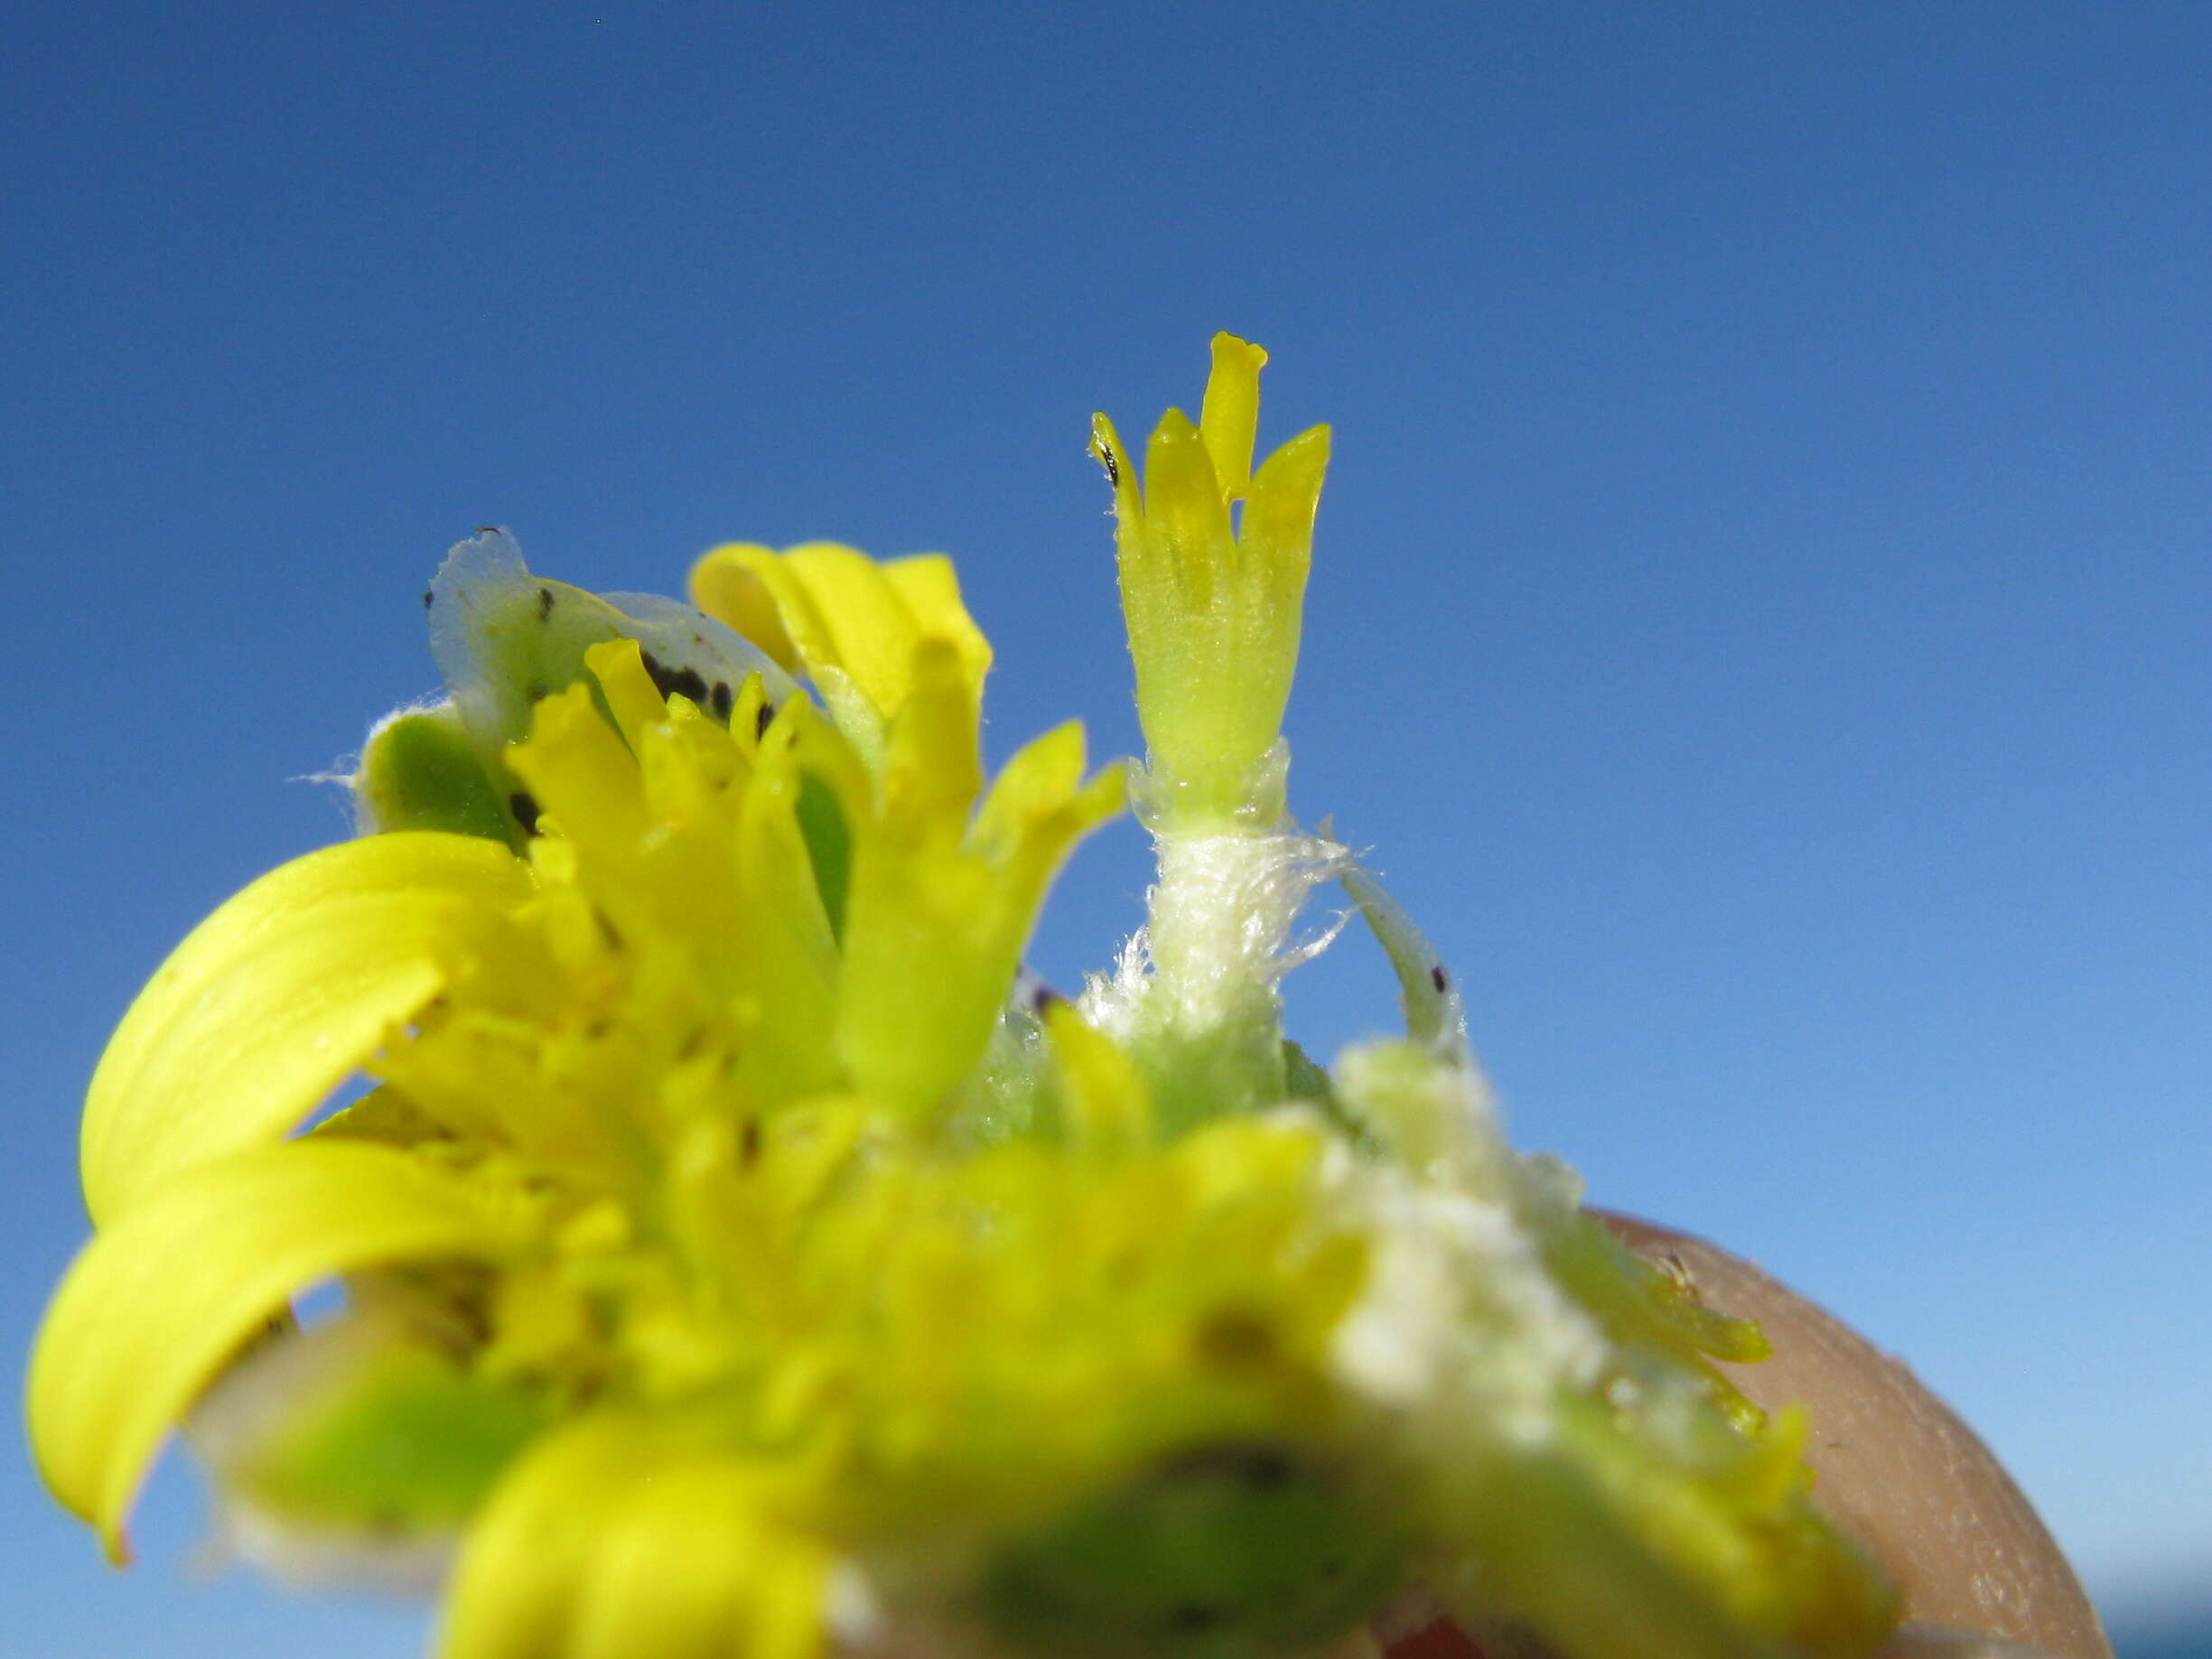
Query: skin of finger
x,y
1922,1642
1441,1640
1901,1470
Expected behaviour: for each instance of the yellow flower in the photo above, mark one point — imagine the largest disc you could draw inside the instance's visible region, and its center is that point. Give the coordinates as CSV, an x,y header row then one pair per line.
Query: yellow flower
x,y
1213,572
743,1257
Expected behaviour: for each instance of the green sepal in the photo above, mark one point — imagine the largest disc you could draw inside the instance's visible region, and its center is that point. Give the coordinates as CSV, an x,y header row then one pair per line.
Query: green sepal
x,y
404,1441
421,771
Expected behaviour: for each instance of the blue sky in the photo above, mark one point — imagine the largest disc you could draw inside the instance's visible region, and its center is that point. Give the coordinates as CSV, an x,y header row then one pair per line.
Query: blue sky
x,y
1758,618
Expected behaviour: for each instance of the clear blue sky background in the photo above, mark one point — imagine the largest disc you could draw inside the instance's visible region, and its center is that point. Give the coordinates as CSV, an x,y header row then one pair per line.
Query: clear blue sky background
x,y
1759,620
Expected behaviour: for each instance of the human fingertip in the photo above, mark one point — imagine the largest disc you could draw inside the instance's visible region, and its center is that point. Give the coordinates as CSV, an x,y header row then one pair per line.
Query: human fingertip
x,y
1901,1470
1930,1642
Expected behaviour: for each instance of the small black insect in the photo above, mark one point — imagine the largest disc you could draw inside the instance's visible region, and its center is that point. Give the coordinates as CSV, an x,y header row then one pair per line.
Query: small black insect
x,y
762,719
1113,467
545,603
525,810
1436,978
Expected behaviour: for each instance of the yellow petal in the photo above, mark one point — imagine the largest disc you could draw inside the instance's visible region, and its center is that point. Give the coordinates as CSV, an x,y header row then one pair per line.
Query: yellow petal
x,y
514,1590
729,585
1231,416
606,1544
933,767
273,1000
937,919
1042,780
1184,508
928,584
618,665
870,632
1278,524
154,1305
853,623
689,1570
795,827
582,774
932,944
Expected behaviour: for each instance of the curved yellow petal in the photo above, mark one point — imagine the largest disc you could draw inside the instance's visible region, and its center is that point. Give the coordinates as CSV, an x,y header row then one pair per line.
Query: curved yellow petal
x,y
1039,805
690,1569
869,632
840,613
729,586
605,1544
933,760
154,1305
930,589
1229,418
273,1000
514,1588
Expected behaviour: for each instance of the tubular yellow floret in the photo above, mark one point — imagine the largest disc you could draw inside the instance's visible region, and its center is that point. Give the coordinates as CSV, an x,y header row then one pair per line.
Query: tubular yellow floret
x,y
1213,594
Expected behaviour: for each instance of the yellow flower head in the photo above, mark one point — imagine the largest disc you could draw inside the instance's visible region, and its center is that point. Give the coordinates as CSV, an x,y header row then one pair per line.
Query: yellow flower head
x,y
745,1256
